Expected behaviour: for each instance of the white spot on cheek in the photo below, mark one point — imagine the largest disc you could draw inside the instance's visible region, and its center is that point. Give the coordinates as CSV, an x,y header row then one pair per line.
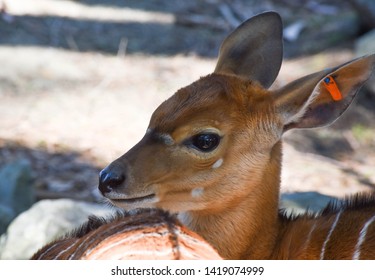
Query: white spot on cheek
x,y
218,163
197,192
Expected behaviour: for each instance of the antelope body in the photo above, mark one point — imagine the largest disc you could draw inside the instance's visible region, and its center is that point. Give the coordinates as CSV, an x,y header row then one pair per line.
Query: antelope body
x,y
212,153
140,235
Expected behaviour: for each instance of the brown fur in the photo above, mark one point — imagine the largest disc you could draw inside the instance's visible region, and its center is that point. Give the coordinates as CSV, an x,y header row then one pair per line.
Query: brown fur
x,y
295,231
236,205
230,195
104,239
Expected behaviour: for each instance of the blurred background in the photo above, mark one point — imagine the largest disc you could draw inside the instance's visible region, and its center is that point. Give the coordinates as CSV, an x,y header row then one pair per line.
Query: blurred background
x,y
80,79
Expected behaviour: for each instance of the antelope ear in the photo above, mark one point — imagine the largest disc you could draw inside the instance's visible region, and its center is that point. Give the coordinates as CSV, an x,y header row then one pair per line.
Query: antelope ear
x,y
320,98
254,50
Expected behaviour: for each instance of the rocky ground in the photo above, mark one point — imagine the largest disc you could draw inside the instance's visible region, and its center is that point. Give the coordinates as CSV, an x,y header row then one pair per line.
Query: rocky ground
x,y
80,79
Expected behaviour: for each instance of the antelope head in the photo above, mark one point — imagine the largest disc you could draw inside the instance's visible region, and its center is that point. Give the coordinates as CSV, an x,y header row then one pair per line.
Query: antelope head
x,y
217,140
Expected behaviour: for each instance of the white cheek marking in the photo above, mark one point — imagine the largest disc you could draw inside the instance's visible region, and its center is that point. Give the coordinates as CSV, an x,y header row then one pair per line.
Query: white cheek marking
x,y
218,163
197,192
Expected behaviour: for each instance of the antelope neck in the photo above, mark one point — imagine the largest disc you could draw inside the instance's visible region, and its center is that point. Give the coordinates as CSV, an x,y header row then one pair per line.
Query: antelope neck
x,y
248,229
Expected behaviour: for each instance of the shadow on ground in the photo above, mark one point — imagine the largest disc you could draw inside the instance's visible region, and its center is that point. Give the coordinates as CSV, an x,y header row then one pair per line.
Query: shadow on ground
x,y
109,37
56,173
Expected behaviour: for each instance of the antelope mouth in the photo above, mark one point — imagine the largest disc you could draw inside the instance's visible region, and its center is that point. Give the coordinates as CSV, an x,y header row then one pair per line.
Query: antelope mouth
x,y
148,198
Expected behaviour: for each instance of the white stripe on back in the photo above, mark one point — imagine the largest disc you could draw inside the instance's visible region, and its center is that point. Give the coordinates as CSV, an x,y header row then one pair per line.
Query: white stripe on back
x,y
361,239
67,249
329,235
309,236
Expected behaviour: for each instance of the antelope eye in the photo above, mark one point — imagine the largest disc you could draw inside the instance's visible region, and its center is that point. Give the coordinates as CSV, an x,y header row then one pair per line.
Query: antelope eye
x,y
205,142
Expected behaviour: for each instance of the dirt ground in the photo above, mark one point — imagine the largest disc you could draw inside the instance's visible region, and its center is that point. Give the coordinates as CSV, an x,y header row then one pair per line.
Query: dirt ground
x,y
80,79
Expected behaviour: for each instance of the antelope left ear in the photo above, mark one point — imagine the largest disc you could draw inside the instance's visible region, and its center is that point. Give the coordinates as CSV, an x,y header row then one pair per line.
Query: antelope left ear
x,y
254,50
319,99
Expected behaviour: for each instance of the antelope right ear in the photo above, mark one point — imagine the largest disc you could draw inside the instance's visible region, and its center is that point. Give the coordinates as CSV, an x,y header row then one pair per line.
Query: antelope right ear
x,y
320,98
254,50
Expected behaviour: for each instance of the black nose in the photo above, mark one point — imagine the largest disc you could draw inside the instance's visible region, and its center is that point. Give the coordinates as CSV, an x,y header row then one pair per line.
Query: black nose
x,y
110,178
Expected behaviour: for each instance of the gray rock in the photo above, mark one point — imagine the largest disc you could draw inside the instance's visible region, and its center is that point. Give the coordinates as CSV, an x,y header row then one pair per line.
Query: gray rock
x,y
16,190
44,222
6,216
366,45
323,31
301,202
366,9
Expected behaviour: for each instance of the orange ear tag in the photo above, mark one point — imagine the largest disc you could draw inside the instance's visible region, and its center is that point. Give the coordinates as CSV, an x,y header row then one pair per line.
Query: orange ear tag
x,y
332,88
